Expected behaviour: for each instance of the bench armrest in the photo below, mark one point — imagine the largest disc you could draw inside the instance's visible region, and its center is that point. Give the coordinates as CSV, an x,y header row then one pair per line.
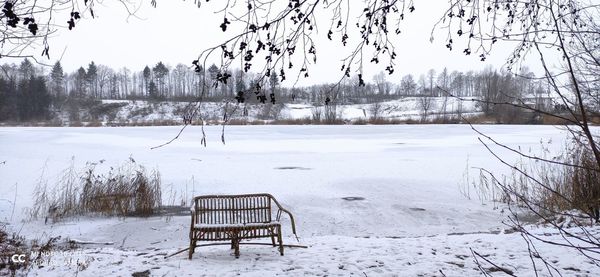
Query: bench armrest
x,y
283,210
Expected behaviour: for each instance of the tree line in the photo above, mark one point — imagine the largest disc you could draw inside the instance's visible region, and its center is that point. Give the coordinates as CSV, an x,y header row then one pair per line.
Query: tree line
x,y
28,92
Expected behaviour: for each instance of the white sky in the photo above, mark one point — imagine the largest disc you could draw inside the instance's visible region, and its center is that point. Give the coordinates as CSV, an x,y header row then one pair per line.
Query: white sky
x,y
176,32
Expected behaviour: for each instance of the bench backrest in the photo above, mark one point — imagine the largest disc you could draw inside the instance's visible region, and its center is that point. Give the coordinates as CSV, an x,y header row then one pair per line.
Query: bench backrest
x,y
233,209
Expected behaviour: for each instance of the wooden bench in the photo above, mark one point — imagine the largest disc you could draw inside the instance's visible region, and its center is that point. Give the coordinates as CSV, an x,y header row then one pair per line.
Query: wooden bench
x,y
234,218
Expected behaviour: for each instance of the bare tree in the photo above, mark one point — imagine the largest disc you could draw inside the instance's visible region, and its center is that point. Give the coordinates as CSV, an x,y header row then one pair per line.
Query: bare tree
x,y
543,28
384,87
375,111
104,74
425,99
408,85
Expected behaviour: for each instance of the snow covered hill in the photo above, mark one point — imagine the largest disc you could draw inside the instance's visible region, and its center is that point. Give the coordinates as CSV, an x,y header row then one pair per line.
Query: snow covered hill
x,y
139,112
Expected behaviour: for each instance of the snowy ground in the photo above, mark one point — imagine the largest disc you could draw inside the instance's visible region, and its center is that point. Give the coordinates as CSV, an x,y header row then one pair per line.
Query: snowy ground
x,y
414,219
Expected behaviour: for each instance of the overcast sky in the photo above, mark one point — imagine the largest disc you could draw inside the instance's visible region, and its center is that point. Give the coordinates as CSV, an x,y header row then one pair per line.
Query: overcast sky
x,y
176,32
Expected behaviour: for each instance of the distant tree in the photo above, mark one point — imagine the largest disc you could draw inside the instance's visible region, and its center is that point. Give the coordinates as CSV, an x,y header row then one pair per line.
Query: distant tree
x,y
431,82
153,91
408,85
33,101
180,86
457,83
240,82
228,89
8,99
26,69
457,87
443,83
57,79
490,89
147,77
213,71
104,75
273,84
80,81
383,86
425,101
161,72
124,78
113,86
200,81
9,71
91,79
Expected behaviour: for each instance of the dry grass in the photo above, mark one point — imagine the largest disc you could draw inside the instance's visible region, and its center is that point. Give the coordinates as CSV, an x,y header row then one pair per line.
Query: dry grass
x,y
552,120
300,121
580,184
9,245
38,252
124,191
573,183
482,119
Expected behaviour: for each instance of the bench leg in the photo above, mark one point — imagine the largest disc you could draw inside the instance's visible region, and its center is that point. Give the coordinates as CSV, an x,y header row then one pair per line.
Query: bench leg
x,y
273,236
280,240
236,245
192,248
237,250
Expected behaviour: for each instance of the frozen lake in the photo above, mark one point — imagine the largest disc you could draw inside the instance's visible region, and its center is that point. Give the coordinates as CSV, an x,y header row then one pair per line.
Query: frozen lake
x,y
410,176
399,170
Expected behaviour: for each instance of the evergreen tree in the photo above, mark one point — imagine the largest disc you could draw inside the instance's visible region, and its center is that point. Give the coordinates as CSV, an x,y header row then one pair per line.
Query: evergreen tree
x,y
240,83
8,100
26,69
273,81
33,100
80,78
147,74
57,78
213,71
160,73
91,78
153,91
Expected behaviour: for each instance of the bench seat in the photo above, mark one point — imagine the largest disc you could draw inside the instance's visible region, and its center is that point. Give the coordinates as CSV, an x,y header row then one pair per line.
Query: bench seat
x,y
240,226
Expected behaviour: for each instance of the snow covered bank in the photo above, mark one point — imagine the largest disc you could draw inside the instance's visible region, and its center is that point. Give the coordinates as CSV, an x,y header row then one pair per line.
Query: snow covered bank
x,y
141,112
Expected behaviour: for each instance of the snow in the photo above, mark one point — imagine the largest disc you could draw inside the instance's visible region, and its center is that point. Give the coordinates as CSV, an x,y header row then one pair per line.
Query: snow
x,y
414,219
162,112
327,255
239,225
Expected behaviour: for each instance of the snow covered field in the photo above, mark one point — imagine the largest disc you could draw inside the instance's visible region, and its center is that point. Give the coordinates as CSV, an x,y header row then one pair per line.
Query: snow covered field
x,y
413,220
